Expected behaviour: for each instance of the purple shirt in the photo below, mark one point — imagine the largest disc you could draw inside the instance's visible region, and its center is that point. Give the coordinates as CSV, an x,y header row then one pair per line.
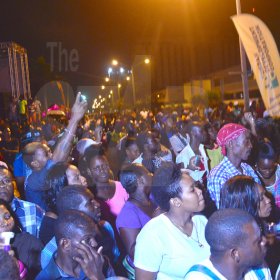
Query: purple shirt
x,y
131,216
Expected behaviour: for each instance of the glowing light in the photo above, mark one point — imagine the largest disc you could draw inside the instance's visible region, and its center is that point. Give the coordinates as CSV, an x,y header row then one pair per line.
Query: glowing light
x,y
94,103
107,79
128,78
115,62
110,70
119,85
102,87
111,91
147,60
100,96
121,70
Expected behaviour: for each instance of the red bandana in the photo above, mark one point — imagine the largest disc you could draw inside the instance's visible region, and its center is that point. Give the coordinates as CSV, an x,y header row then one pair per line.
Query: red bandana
x,y
227,133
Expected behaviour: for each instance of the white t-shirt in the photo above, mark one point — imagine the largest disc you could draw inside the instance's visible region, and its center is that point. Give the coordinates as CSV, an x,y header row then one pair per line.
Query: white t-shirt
x,y
161,247
185,156
251,275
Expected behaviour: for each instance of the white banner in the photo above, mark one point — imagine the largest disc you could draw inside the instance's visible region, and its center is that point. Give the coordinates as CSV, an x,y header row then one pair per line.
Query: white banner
x,y
263,55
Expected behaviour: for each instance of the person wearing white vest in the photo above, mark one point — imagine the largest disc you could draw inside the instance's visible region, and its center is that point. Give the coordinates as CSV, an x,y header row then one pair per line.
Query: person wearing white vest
x,y
237,249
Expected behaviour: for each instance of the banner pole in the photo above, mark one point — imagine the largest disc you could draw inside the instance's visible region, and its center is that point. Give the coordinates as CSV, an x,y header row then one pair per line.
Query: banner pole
x,y
243,66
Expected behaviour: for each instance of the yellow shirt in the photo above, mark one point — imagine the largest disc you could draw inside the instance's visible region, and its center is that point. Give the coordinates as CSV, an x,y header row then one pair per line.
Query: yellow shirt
x,y
215,156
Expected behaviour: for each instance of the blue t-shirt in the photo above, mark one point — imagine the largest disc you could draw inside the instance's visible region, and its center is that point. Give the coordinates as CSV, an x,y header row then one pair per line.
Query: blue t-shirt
x,y
21,169
35,185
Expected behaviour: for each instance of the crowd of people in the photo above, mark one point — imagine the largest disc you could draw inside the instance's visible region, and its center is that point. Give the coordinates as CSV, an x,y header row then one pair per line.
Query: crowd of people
x,y
140,195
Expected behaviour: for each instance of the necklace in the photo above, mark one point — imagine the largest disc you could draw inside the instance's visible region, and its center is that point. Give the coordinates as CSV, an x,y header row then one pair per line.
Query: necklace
x,y
189,236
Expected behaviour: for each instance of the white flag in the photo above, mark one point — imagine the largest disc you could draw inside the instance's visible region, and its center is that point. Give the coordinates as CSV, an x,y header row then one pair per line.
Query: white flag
x,y
263,55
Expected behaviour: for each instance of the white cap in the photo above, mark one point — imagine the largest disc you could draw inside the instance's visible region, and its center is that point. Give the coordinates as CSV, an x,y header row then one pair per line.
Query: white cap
x,y
266,114
2,163
85,143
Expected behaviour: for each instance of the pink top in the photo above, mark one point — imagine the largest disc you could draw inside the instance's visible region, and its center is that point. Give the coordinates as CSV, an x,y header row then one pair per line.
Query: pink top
x,y
117,202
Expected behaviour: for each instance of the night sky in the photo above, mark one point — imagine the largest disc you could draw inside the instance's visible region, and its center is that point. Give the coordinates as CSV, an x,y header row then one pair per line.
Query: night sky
x,y
103,29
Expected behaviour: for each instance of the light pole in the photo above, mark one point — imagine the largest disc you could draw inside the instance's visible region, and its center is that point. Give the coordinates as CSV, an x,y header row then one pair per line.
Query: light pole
x,y
146,61
117,71
243,65
133,87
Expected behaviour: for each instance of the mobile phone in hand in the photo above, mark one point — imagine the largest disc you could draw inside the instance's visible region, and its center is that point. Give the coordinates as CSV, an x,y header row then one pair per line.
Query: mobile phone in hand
x,y
83,98
197,160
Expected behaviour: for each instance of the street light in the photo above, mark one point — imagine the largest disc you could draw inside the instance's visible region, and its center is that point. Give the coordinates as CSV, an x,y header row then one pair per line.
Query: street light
x,y
147,61
110,71
115,62
111,97
121,73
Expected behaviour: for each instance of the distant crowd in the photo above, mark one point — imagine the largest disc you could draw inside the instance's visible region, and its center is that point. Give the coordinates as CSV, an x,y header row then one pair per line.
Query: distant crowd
x,y
186,194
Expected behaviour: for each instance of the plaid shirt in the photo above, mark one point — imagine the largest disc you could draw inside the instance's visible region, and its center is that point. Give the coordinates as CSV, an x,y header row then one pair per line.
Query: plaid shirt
x,y
29,214
224,171
48,252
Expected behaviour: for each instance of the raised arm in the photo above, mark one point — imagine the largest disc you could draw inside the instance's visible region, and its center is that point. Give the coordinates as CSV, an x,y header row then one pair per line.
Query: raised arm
x,y
249,118
63,148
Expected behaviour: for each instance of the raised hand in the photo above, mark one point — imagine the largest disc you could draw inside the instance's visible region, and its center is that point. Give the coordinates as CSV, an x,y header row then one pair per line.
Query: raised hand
x,y
91,261
79,108
249,118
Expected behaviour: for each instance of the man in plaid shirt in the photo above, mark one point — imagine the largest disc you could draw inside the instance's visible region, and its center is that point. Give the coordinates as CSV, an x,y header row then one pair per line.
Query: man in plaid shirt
x,y
235,142
29,214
